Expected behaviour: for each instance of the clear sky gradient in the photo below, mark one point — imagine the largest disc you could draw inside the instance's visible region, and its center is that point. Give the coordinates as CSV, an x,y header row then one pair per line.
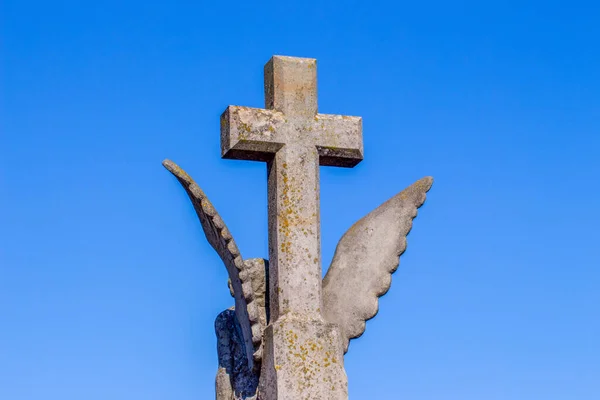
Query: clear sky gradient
x,y
108,288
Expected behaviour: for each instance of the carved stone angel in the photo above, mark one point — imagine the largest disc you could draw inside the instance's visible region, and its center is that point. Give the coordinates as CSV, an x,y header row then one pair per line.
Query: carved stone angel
x,y
361,271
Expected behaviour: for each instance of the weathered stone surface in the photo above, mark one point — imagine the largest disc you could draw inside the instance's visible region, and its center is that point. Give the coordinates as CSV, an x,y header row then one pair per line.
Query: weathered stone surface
x,y
309,364
235,378
365,259
287,335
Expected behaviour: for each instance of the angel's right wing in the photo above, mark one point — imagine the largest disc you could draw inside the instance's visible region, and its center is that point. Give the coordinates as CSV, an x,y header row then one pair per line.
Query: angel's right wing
x,y
365,259
240,272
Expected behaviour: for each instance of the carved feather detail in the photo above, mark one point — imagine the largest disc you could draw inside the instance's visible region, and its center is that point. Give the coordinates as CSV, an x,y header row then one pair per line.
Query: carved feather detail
x,y
365,259
250,313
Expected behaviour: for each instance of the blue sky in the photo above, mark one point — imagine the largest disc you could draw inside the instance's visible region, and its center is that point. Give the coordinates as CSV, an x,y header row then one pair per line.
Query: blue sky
x,y
108,289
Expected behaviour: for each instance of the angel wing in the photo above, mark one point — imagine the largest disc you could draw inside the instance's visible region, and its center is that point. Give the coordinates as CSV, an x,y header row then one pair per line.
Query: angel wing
x,y
248,309
365,259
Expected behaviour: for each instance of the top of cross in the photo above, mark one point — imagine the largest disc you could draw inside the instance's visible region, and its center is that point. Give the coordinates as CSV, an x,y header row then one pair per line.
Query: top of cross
x,y
290,116
291,85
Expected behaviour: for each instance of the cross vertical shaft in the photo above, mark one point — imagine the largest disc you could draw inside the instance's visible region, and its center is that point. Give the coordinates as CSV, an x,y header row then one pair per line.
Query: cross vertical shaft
x,y
293,191
294,140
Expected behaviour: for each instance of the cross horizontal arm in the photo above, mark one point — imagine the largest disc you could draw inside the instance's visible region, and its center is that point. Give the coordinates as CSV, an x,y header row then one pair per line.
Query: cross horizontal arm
x,y
338,139
251,133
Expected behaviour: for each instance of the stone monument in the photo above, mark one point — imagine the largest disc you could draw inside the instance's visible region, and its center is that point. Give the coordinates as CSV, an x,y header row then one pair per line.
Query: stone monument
x,y
287,334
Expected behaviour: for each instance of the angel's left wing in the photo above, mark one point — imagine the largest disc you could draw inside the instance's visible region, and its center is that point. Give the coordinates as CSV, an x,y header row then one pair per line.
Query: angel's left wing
x,y
365,259
240,271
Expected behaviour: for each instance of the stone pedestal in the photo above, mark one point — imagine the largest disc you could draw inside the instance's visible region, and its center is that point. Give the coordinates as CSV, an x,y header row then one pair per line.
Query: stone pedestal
x,y
303,360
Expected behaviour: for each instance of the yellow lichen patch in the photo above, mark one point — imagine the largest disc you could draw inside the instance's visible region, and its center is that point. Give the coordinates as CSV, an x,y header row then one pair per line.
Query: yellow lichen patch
x,y
180,173
244,126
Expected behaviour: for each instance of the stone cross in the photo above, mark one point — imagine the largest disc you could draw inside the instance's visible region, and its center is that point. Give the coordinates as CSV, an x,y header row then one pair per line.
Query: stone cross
x,y
294,139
